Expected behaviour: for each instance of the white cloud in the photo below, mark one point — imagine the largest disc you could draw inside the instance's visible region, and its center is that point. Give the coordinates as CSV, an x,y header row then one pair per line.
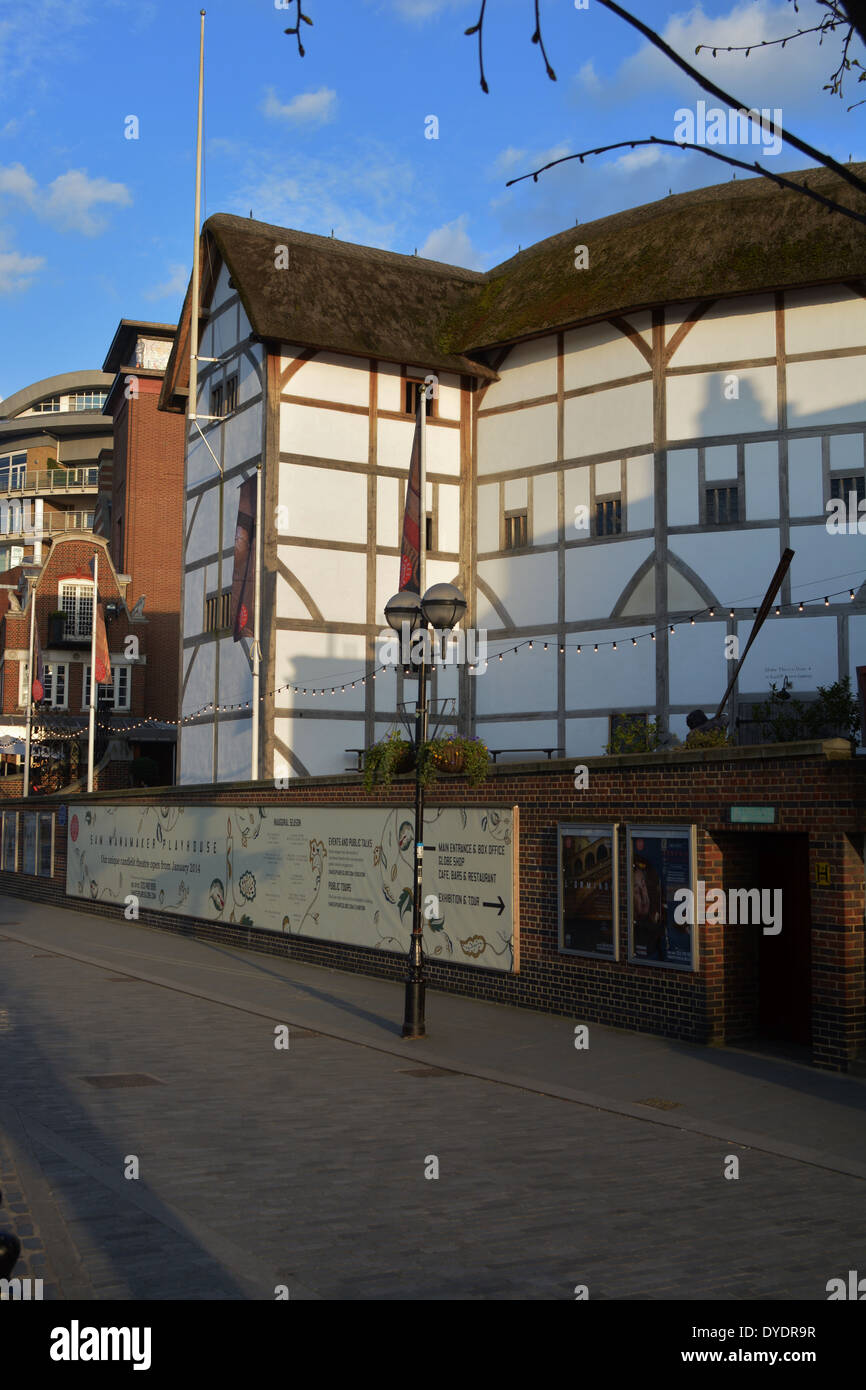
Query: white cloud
x,y
69,201
307,107
451,244
770,76
174,286
16,271
423,9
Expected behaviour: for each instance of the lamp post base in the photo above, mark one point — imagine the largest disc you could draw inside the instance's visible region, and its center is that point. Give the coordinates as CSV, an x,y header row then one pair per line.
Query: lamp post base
x,y
413,1015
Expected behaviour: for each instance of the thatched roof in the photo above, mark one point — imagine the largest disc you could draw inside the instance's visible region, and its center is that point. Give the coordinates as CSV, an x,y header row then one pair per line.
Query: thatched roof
x,y
735,238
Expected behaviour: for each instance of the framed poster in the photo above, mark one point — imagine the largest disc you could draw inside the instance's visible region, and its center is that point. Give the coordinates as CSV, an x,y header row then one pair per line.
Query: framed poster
x,y
46,844
587,864
28,842
10,840
661,859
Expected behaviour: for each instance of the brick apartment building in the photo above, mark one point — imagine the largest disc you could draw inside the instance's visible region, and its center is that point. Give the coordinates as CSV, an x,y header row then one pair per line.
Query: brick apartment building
x,y
134,475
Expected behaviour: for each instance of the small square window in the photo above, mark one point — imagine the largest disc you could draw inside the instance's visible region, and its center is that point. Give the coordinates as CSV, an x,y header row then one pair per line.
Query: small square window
x,y
216,401
723,505
428,533
412,386
608,517
516,530
843,487
231,395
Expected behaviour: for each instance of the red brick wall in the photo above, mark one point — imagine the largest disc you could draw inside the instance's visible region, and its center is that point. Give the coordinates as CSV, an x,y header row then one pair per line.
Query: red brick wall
x,y
815,795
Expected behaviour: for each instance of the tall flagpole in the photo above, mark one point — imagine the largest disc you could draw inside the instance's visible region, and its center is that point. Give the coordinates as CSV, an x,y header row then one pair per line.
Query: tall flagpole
x,y
91,728
257,625
194,292
29,691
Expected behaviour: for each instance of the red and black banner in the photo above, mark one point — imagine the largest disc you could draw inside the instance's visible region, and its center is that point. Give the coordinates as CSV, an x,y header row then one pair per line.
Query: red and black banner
x,y
410,547
243,602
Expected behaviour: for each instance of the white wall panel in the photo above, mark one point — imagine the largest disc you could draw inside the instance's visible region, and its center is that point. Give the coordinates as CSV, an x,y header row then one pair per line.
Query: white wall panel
x,y
222,289
545,509
330,376
762,481
609,679
449,518
243,435
521,681
846,450
322,433
324,503
517,439
193,603
608,420
443,450
827,392
516,493
526,584
819,554
608,476
805,479
596,575
698,669
234,750
639,509
320,744
200,686
730,331
236,678
528,371
736,565
394,449
204,536
389,387
576,494
196,755
697,406
336,580
804,649
599,353
857,648
829,317
249,379
683,487
448,406
388,514
314,659
488,517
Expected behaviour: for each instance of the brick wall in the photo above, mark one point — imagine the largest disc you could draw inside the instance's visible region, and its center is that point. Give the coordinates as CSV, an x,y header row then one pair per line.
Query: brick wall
x,y
818,795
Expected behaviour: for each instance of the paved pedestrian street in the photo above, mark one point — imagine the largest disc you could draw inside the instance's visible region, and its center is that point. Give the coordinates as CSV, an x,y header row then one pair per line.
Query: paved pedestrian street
x,y
156,1144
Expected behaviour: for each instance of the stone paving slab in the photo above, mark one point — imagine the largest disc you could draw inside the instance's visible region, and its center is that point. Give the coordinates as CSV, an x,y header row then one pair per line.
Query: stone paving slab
x,y
307,1167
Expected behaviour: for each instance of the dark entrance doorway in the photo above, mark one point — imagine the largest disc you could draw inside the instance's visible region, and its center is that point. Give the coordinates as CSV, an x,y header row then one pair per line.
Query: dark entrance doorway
x,y
785,960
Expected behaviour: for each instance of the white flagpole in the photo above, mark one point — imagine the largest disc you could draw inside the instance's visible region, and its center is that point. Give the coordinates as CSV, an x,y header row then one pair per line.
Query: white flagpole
x,y
91,731
194,291
257,628
29,691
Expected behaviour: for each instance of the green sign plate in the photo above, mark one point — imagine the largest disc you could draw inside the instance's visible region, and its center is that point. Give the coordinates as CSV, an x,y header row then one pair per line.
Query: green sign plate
x,y
753,815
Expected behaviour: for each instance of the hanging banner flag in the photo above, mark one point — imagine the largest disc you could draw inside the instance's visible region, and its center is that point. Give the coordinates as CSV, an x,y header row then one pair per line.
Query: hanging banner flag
x,y
102,661
410,548
38,667
243,610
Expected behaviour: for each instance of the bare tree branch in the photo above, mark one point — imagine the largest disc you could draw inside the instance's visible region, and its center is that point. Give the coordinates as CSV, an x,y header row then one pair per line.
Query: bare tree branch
x,y
755,167
300,18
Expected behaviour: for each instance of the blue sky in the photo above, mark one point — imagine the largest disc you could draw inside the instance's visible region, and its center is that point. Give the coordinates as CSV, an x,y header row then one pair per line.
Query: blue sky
x,y
95,227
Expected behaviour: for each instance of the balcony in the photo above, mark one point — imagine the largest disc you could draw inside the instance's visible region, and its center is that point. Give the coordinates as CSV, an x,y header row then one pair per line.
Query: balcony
x,y
12,526
19,481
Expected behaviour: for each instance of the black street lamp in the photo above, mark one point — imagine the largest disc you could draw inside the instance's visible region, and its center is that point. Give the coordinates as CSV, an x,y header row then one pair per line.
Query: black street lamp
x,y
442,607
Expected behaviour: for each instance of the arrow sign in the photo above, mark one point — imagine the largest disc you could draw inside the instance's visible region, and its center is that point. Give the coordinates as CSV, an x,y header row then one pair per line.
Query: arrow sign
x,y
500,905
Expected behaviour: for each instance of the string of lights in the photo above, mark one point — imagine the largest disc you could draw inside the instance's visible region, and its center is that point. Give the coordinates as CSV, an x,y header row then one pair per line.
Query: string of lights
x,y
347,683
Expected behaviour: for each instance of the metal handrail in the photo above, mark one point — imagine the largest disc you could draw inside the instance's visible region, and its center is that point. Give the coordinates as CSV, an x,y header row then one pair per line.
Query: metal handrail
x,y
51,480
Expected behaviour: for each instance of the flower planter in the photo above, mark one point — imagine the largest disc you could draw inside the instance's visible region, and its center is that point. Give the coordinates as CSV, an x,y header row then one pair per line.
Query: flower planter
x,y
452,761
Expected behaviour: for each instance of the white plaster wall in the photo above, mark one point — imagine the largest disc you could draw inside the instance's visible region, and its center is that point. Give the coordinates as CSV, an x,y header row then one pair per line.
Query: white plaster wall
x,y
516,493
488,518
639,508
223,332
528,371
517,439
389,516
222,289
697,407
730,331
827,392
199,687
336,580
828,317
243,436
449,518
762,481
289,603
200,467
612,420
710,555
312,659
599,353
698,670
526,584
720,463
324,503
545,510
204,536
616,680
596,575
522,680
322,433
234,750
193,602
329,376
846,450
818,555
448,400
249,377
857,649
394,447
390,391
608,476
802,648
196,755
320,744
805,479
585,738
683,501
236,678
576,494
443,449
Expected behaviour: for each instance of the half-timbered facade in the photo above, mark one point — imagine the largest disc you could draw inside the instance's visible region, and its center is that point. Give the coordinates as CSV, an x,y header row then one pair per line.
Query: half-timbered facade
x,y
633,420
